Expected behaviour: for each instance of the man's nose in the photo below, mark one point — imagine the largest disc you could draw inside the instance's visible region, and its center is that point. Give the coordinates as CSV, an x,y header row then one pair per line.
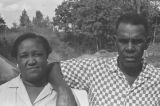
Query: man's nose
x,y
130,46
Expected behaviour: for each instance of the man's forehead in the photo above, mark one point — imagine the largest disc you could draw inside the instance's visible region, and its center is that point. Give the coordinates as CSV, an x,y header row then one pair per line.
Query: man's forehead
x,y
129,31
126,26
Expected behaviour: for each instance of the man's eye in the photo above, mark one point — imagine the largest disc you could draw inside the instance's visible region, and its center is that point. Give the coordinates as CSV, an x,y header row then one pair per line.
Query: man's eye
x,y
138,41
122,40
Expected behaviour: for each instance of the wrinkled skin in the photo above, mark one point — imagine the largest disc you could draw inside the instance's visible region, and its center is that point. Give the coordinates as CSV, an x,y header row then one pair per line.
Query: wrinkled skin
x,y
131,41
32,60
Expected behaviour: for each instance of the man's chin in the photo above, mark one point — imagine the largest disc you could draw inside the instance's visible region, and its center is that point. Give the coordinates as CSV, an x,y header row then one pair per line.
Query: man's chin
x,y
131,64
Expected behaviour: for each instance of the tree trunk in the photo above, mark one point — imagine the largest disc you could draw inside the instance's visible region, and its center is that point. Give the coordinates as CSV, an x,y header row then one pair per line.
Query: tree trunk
x,y
154,35
154,32
97,45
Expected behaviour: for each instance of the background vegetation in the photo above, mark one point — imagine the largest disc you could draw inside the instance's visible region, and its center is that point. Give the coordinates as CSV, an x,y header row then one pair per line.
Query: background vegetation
x,y
83,26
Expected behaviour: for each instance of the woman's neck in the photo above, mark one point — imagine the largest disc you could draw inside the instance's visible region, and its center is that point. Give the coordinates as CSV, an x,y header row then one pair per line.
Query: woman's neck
x,y
33,89
37,83
34,84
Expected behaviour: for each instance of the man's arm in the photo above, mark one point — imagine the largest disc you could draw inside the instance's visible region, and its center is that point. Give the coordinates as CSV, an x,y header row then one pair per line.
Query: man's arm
x,y
65,96
76,73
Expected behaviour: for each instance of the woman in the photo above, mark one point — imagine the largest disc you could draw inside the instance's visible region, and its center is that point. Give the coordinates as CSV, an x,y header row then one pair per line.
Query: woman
x,y
31,87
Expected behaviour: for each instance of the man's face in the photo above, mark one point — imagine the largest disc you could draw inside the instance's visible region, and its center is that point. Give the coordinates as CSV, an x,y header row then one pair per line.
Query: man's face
x,y
131,43
32,60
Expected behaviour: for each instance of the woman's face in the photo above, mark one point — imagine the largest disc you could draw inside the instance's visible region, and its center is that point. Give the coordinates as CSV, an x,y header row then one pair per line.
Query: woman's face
x,y
32,60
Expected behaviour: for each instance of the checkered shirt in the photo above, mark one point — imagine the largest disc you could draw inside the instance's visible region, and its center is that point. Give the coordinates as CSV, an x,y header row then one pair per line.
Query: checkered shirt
x,y
106,84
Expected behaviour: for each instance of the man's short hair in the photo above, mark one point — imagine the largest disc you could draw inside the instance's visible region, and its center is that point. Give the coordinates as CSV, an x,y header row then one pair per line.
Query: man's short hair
x,y
25,36
134,19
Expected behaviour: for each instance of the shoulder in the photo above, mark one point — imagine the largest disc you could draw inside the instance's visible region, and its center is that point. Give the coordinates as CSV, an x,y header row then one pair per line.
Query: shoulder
x,y
10,83
153,71
4,88
100,61
77,61
152,68
158,69
105,61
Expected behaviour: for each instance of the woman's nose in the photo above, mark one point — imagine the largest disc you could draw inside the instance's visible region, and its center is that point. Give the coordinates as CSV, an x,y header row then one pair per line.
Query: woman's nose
x,y
31,61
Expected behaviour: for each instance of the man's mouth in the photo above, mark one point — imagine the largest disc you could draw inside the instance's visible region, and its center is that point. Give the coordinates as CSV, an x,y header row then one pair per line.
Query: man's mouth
x,y
130,59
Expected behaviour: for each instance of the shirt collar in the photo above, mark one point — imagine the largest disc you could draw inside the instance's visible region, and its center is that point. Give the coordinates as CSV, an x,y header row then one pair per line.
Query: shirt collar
x,y
147,69
17,82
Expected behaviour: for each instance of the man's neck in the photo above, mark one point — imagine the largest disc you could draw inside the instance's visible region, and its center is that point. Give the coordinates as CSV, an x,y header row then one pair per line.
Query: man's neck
x,y
131,73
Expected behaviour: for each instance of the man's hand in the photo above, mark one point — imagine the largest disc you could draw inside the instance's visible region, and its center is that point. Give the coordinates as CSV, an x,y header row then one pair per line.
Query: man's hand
x,y
65,96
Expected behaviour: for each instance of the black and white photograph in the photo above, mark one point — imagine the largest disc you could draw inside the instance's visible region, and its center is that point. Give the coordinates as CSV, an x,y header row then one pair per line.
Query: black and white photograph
x,y
79,52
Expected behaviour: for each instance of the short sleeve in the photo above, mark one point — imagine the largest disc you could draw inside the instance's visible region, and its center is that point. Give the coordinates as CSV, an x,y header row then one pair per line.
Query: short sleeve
x,y
76,73
81,97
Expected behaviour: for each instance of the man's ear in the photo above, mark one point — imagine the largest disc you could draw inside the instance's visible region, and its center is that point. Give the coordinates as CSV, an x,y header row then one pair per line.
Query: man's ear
x,y
148,40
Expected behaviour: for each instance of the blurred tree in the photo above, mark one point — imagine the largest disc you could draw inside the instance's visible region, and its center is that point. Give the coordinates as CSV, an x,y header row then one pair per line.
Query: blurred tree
x,y
38,19
24,19
96,18
4,47
154,17
41,23
47,23
14,27
2,25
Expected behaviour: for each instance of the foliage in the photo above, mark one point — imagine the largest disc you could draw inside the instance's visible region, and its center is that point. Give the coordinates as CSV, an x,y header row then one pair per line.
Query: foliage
x,y
96,18
80,26
3,42
3,26
24,19
38,19
40,25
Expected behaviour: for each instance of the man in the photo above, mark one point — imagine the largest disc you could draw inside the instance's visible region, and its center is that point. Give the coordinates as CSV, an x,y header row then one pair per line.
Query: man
x,y
124,80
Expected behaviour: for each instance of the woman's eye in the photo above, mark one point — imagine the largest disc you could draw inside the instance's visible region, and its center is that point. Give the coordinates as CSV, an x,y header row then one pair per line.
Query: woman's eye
x,y
23,56
38,54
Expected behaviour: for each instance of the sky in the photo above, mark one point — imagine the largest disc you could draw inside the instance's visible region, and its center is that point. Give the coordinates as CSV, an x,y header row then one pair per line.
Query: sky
x,y
11,10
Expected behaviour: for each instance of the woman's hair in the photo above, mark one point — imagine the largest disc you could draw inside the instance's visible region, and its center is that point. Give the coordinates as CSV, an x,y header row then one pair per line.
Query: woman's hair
x,y
25,36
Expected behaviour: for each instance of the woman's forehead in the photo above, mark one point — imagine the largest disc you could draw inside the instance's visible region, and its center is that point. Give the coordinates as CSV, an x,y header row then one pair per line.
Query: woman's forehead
x,y
31,40
30,43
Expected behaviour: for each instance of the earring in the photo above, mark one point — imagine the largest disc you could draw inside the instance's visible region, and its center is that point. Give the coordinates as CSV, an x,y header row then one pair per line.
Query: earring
x,y
17,66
